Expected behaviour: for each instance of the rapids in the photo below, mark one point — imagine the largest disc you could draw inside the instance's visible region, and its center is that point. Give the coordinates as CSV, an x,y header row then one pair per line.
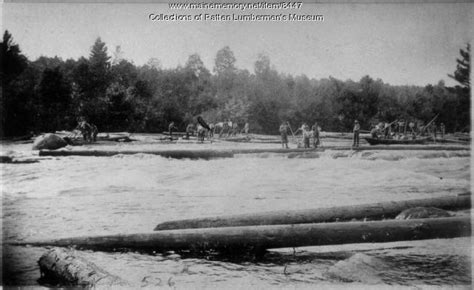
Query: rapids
x,y
76,196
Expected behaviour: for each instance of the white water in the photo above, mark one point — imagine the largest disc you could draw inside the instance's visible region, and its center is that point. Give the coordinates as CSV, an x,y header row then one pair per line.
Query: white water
x,y
75,196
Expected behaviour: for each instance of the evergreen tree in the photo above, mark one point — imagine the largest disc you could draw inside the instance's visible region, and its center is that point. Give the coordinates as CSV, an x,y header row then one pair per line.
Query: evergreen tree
x,y
12,62
15,97
463,68
462,76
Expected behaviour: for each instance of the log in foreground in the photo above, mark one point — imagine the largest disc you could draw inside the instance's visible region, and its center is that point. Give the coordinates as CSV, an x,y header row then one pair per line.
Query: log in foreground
x,y
276,236
318,215
66,268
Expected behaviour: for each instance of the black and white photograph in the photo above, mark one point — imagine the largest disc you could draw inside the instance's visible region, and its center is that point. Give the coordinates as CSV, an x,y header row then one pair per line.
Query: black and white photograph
x,y
228,144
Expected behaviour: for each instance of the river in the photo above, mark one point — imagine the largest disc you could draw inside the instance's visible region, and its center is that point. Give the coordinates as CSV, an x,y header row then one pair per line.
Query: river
x,y
76,196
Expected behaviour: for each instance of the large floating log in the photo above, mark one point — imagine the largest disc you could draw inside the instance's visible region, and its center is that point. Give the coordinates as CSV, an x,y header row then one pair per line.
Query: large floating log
x,y
193,154
118,139
176,133
318,215
381,141
452,141
275,236
401,147
250,140
66,268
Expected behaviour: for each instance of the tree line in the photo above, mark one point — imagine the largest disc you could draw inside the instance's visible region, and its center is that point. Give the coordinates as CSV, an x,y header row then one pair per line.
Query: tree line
x,y
49,94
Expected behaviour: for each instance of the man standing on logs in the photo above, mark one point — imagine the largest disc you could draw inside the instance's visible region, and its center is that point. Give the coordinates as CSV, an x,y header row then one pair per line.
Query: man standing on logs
x,y
203,128
434,129
315,130
211,131
413,131
374,131
356,131
171,127
284,135
201,133
442,129
246,129
189,130
306,134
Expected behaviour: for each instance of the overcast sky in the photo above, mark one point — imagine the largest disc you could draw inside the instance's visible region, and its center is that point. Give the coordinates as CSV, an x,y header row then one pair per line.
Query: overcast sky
x,y
398,43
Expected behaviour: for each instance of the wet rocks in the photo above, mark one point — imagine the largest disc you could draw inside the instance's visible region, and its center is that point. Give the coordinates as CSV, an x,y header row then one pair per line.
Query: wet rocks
x,y
49,141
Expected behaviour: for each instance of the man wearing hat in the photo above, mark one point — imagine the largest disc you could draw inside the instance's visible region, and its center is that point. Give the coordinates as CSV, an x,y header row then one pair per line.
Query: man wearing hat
x,y
356,134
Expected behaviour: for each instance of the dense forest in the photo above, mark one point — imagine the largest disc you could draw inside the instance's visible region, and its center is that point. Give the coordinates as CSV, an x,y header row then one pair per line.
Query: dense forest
x,y
49,94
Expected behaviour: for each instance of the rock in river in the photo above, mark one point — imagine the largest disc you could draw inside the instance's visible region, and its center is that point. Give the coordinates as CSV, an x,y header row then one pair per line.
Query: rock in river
x,y
48,141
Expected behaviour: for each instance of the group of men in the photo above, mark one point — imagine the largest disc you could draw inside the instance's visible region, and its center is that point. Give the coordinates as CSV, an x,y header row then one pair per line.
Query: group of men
x,y
307,133
312,134
89,131
397,129
227,128
230,128
199,130
401,129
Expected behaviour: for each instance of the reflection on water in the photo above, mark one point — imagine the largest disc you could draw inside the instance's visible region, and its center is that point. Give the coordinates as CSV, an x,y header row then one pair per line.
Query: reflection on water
x,y
75,196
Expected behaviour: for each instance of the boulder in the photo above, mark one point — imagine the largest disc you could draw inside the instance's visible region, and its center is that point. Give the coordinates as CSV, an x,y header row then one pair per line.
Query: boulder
x,y
358,268
421,213
49,141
